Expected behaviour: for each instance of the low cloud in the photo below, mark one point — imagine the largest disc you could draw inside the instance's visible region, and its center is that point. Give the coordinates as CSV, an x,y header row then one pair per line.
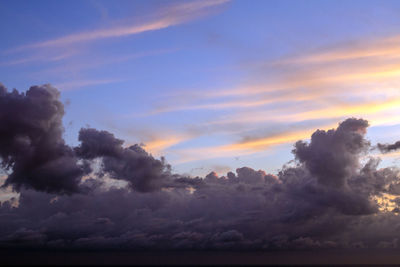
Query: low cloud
x,y
326,198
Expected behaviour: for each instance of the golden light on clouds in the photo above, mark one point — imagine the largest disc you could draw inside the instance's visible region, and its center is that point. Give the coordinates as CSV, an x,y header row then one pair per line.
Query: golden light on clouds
x,y
359,79
386,47
245,147
385,202
158,145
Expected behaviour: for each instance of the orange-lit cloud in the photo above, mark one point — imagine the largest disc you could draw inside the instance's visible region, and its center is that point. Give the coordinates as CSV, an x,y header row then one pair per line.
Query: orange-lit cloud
x,y
336,110
331,84
393,154
8,193
303,86
246,147
157,146
384,48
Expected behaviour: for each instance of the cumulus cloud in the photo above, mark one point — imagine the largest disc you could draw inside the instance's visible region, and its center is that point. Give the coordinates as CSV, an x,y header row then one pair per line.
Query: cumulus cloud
x,y
33,150
133,164
385,148
332,156
31,143
326,198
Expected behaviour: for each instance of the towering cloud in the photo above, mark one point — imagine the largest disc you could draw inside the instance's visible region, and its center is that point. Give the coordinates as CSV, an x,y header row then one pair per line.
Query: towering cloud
x,y
332,156
33,150
31,143
326,198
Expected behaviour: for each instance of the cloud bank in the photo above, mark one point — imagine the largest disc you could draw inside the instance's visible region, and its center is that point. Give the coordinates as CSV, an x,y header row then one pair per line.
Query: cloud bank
x,y
327,198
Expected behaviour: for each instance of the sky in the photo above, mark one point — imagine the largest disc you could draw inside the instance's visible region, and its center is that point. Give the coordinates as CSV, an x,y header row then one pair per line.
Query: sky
x,y
216,125
210,85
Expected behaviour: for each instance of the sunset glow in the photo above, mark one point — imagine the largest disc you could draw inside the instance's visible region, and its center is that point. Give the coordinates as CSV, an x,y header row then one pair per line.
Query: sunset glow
x,y
265,129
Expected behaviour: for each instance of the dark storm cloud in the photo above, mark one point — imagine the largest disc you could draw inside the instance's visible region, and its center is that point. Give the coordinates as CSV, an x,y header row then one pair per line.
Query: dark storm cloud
x,y
385,148
133,164
31,143
333,156
324,199
221,213
33,150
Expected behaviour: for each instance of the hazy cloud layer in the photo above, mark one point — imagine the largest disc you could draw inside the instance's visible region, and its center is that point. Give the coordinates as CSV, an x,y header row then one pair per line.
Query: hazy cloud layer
x,y
327,198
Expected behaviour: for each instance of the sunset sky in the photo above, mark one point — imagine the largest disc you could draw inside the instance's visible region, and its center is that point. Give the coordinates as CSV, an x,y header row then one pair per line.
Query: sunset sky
x,y
197,127
210,85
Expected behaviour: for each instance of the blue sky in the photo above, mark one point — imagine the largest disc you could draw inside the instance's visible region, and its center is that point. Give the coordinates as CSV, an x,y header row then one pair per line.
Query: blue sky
x,y
211,85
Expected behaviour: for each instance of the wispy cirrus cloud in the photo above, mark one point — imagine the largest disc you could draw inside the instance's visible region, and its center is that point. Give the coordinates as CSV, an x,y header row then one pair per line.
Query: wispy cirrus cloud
x,y
167,17
70,55
156,140
78,66
41,57
259,143
302,85
246,146
158,145
66,86
302,112
357,79
325,72
382,48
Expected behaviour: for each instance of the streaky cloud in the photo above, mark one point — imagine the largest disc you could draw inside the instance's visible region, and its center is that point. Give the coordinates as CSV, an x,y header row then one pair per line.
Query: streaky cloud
x,y
170,16
67,86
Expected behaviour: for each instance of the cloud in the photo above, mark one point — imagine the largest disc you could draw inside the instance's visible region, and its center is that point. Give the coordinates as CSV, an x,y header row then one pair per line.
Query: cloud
x,y
133,164
248,145
358,79
66,86
33,150
385,47
385,148
49,57
305,83
31,143
329,84
333,155
377,109
155,140
158,145
71,54
326,198
170,16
